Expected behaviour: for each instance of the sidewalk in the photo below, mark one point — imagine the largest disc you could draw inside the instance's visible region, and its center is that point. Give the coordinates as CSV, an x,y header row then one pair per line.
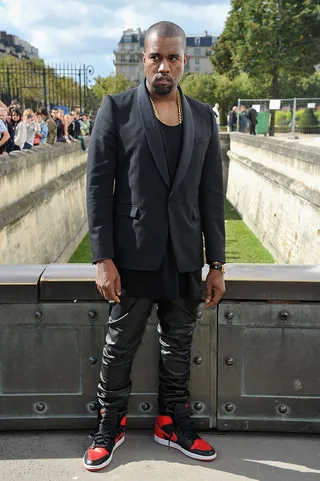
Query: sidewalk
x,y
57,456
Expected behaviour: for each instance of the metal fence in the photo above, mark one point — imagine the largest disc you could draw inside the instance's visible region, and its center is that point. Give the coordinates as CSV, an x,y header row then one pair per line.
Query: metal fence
x,y
34,84
286,116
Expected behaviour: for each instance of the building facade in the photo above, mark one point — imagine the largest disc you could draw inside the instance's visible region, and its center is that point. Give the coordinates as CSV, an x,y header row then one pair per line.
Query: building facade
x,y
128,56
15,47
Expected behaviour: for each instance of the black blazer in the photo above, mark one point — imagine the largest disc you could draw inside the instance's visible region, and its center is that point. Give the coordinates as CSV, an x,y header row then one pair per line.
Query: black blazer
x,y
131,203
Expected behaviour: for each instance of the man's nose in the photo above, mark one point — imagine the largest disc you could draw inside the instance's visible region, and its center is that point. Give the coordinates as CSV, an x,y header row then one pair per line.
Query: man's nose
x,y
164,67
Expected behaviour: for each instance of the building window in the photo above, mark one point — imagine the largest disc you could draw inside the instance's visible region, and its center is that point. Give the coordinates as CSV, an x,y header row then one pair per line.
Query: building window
x,y
197,51
123,58
197,61
197,41
127,38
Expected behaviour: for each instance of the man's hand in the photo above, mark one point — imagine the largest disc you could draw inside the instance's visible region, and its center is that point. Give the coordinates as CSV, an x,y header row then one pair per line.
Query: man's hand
x,y
215,288
108,280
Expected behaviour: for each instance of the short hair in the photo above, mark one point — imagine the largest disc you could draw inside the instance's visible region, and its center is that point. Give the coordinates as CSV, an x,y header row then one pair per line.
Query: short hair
x,y
44,111
166,29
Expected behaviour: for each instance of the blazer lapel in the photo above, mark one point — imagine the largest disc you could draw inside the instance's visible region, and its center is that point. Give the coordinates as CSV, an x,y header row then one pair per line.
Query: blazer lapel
x,y
152,132
188,142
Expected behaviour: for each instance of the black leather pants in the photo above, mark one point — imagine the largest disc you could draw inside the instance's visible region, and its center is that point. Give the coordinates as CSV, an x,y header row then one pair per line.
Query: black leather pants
x,y
177,320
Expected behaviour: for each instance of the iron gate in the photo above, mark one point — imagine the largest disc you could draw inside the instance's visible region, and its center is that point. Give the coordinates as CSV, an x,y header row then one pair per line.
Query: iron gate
x,y
34,84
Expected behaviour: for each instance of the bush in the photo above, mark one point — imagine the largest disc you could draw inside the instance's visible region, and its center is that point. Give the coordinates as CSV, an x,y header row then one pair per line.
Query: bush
x,y
308,122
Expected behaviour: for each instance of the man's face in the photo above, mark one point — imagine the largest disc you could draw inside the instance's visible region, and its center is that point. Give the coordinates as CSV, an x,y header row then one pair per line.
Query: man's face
x,y
3,114
164,61
54,114
39,118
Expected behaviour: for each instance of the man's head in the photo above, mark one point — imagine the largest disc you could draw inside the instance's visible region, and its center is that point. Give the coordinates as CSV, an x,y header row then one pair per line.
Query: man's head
x,y
84,118
54,113
44,113
164,57
217,106
235,108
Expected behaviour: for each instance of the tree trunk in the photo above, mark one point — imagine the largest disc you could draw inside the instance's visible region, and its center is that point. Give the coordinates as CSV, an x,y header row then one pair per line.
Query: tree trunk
x,y
275,95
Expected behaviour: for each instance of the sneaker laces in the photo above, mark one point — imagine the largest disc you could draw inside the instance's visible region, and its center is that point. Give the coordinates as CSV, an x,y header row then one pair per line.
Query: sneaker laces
x,y
104,437
188,430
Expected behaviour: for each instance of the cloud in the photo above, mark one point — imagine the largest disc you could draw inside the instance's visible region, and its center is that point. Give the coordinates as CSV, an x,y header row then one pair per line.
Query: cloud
x,y
88,32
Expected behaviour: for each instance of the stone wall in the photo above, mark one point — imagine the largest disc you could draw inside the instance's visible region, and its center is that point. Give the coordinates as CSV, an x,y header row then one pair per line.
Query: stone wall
x,y
42,204
275,185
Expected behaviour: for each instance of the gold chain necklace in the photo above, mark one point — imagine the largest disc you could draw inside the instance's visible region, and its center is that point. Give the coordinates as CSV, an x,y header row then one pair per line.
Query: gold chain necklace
x,y
179,105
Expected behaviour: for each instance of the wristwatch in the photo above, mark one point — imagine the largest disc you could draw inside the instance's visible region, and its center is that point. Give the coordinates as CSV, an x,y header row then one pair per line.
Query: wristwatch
x,y
217,266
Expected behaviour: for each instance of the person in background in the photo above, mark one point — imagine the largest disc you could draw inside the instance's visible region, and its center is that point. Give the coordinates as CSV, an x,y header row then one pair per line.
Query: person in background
x,y
243,119
31,131
79,130
42,129
86,123
10,143
217,115
50,123
252,116
232,121
65,125
59,124
4,137
19,128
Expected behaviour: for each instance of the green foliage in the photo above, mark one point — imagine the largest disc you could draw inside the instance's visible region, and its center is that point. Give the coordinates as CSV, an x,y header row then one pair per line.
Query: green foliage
x,y
201,86
268,38
308,122
110,85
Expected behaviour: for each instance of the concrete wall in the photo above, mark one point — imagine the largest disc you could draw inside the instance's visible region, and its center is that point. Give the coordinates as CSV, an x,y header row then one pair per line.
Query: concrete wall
x,y
42,204
275,185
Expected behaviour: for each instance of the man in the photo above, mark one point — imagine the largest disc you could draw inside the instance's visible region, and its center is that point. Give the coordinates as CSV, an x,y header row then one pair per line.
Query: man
x,y
154,185
50,123
243,119
61,137
252,116
232,121
217,115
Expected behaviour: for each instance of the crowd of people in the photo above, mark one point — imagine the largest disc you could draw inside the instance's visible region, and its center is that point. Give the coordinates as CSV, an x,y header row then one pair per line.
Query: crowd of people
x,y
26,130
247,119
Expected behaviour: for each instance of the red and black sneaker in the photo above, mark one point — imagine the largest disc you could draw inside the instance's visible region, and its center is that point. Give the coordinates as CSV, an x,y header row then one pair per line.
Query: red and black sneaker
x,y
179,432
107,438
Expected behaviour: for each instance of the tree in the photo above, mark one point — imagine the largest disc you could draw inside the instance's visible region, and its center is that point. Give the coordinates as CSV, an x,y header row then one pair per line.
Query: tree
x,y
110,85
266,38
201,86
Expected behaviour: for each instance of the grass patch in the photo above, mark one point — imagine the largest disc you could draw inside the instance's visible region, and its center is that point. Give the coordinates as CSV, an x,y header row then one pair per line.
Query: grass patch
x,y
82,254
242,246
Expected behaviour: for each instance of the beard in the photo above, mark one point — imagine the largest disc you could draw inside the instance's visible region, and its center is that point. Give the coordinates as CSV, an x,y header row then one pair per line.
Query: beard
x,y
162,89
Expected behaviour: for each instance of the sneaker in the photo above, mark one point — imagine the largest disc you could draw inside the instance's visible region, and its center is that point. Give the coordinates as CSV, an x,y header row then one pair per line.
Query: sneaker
x,y
107,438
179,432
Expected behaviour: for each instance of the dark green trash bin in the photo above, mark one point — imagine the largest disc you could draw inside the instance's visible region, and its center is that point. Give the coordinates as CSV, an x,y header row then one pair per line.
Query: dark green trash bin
x,y
263,121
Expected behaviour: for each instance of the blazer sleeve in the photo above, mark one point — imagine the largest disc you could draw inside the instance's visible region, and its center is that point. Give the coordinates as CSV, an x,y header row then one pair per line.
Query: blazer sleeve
x,y
211,198
101,168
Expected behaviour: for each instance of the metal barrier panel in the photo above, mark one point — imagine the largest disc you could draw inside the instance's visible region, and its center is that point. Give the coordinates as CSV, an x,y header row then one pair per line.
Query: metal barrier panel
x,y
50,354
268,351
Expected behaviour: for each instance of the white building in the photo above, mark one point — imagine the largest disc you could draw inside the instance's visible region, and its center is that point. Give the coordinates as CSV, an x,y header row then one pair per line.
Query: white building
x,y
128,56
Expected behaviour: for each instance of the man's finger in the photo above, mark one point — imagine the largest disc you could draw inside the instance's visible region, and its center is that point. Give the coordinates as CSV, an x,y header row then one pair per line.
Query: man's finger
x,y
117,286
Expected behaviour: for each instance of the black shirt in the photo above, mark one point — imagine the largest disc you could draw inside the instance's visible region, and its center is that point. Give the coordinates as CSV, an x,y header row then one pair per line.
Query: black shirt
x,y
166,283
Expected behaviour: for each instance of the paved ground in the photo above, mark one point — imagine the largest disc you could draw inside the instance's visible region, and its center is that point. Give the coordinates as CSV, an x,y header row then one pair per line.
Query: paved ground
x,y
56,456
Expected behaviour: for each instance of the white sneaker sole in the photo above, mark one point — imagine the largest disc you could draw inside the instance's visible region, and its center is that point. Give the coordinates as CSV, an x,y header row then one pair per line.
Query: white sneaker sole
x,y
89,467
165,442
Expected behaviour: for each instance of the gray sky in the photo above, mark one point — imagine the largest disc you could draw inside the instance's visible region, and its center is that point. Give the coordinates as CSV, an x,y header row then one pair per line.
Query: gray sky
x,y
88,31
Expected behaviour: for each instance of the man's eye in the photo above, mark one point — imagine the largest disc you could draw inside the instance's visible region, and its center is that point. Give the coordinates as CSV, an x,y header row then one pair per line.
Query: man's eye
x,y
154,57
